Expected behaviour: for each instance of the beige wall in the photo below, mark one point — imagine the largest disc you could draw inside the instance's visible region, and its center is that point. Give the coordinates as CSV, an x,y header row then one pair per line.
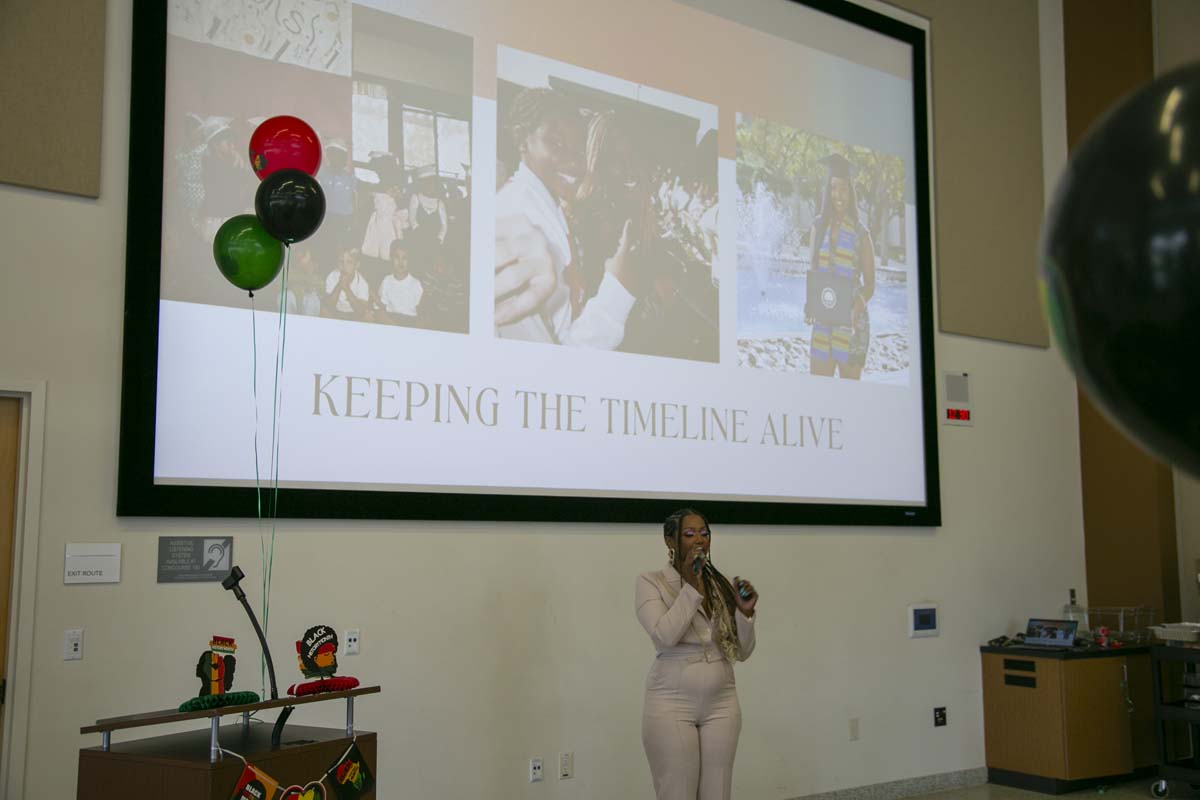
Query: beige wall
x,y
497,642
988,160
51,61
1177,42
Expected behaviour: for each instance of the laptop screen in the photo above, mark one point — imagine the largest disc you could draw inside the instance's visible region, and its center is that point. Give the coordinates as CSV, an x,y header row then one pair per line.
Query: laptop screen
x,y
1053,632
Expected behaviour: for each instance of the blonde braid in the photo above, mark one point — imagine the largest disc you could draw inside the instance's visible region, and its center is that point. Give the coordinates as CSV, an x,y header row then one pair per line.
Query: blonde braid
x,y
717,589
597,136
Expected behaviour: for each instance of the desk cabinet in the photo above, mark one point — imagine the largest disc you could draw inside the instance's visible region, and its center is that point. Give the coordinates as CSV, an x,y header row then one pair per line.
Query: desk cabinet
x,y
1053,722
176,766
191,765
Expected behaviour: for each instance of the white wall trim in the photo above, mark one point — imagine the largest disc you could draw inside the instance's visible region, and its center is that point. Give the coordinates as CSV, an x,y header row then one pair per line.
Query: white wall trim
x,y
908,787
24,580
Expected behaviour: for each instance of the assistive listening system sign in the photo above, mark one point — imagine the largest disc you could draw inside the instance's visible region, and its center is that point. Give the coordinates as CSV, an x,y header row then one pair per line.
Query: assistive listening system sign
x,y
194,559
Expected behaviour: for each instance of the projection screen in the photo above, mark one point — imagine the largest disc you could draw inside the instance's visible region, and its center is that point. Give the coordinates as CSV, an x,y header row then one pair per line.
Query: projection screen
x,y
578,261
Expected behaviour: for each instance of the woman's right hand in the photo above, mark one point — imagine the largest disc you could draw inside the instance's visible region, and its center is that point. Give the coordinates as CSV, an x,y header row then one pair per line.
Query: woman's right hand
x,y
525,273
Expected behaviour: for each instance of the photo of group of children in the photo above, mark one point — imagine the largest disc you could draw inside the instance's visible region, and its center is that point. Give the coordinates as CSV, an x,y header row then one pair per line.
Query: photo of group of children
x,y
606,205
394,247
399,250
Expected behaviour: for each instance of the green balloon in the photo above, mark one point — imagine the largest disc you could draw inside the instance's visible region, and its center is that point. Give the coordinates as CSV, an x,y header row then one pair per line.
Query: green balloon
x,y
246,254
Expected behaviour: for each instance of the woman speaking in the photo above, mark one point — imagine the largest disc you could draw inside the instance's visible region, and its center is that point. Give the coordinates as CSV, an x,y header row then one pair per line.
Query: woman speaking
x,y
700,624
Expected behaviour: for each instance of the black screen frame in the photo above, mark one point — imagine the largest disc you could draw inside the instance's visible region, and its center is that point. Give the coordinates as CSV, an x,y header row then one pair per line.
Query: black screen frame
x,y
139,496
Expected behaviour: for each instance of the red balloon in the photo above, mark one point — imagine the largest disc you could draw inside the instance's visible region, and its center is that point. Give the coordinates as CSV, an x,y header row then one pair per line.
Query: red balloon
x,y
284,143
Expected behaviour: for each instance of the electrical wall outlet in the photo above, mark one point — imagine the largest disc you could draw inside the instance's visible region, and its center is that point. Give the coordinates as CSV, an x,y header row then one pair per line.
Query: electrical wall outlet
x,y
73,644
939,717
854,729
350,640
535,770
566,766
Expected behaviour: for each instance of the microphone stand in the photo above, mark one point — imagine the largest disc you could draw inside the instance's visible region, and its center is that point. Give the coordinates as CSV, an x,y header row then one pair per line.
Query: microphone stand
x,y
233,583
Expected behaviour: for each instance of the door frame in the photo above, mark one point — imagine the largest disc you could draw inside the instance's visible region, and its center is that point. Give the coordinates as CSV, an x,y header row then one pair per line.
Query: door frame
x,y
14,740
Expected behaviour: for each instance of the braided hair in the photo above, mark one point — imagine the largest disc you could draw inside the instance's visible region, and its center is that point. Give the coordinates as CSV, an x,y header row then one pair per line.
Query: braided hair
x,y
717,587
531,108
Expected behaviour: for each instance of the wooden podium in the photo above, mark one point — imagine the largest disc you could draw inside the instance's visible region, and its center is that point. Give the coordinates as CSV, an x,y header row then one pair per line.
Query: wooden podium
x,y
191,766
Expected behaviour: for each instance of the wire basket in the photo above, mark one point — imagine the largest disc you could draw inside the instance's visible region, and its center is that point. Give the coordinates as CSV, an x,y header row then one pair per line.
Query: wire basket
x,y
1126,624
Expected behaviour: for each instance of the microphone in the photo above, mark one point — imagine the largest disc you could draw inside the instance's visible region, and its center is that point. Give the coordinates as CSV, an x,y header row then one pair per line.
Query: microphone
x,y
699,563
232,583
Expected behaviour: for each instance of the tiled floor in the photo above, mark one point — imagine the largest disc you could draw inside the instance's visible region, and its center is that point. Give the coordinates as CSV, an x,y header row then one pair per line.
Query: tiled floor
x,y
1126,791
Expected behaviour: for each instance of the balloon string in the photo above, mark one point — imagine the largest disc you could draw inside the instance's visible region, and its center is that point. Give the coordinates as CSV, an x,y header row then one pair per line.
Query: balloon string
x,y
281,343
257,479
277,407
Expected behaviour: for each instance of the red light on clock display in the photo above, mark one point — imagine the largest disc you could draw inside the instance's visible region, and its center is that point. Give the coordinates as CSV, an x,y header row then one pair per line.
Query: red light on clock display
x,y
960,414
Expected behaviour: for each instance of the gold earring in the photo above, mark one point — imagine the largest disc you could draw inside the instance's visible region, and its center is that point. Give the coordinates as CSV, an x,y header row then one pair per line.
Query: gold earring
x,y
671,554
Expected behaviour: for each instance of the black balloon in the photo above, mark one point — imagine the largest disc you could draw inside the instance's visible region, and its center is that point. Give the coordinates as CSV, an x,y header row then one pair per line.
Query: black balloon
x,y
1120,265
290,205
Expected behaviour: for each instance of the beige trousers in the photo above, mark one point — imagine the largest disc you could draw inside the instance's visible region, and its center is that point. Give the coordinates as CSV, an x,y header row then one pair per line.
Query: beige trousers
x,y
690,727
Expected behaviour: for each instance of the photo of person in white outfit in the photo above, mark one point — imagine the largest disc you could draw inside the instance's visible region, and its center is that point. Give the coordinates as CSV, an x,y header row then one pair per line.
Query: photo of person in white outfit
x,y
400,293
588,253
347,293
539,287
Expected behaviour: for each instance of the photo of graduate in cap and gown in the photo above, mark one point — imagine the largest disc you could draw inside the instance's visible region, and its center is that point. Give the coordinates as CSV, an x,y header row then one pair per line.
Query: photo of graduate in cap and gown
x,y
823,262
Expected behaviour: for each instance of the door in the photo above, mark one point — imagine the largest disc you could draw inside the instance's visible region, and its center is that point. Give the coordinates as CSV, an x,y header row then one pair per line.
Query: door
x,y
1141,693
1098,715
10,446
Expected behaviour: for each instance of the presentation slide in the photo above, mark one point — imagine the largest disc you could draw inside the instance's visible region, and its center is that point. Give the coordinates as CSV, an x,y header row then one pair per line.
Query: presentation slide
x,y
631,249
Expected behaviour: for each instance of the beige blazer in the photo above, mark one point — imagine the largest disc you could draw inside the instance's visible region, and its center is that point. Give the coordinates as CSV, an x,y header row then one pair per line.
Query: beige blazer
x,y
672,613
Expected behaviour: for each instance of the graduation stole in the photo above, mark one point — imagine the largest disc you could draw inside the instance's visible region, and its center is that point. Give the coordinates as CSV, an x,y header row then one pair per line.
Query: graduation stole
x,y
840,256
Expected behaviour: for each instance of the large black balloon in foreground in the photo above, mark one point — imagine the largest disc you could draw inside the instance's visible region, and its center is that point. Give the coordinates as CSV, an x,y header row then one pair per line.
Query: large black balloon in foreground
x,y
1120,266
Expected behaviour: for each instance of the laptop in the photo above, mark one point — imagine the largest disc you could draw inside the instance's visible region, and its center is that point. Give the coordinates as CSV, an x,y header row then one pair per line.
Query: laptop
x,y
1054,633
830,297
